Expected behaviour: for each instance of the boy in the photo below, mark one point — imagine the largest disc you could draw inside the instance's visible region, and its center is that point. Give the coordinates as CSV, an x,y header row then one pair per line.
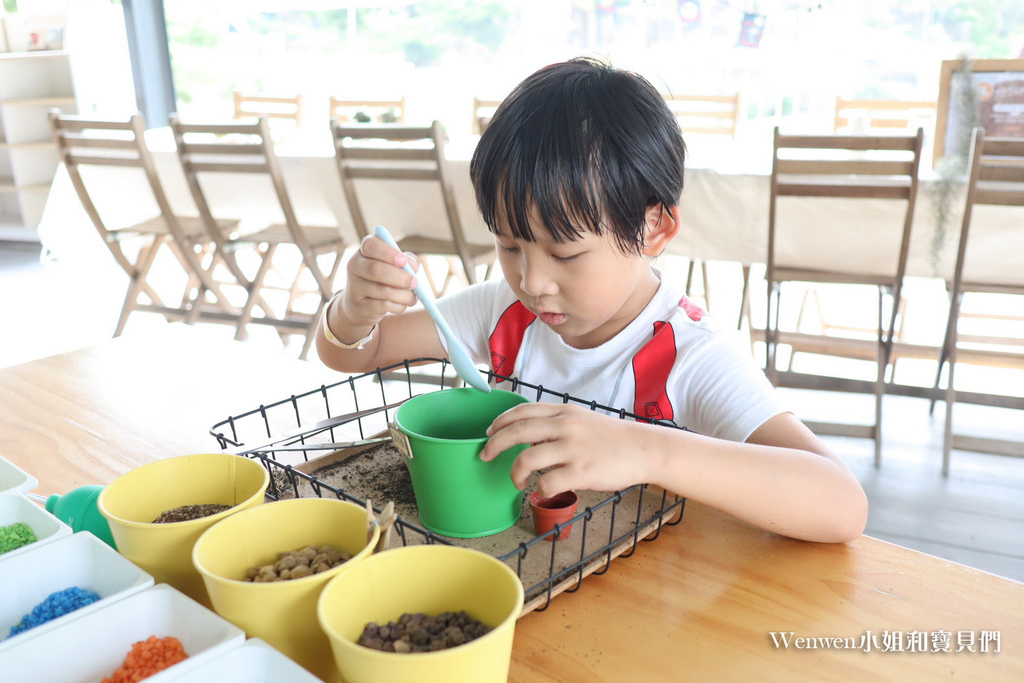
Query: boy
x,y
578,176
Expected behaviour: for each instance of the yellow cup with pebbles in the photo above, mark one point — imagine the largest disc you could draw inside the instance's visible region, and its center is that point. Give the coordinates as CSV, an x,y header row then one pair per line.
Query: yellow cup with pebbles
x,y
424,613
264,569
222,483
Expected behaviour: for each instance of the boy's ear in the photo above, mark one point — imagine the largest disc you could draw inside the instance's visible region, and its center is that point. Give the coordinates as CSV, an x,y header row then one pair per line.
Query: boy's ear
x,y
662,226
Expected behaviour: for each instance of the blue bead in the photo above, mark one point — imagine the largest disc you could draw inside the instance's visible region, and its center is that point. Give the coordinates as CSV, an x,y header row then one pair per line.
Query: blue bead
x,y
55,605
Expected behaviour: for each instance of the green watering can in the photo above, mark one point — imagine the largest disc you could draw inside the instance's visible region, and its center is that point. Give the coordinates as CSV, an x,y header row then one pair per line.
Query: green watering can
x,y
77,508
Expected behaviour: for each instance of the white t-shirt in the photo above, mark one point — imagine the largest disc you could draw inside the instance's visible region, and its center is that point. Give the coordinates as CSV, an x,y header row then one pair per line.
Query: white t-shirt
x,y
669,363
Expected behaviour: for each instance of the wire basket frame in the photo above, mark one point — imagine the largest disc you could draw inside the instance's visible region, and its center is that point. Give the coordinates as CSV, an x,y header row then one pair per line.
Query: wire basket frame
x,y
604,530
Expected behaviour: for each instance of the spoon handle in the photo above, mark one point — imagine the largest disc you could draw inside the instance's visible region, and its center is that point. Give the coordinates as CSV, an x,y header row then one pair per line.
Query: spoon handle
x,y
457,352
421,292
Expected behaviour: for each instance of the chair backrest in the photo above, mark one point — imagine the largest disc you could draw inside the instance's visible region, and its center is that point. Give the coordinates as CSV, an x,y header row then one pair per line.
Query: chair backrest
x,y
249,105
394,152
367,111
92,142
483,111
706,114
996,179
848,167
234,148
867,116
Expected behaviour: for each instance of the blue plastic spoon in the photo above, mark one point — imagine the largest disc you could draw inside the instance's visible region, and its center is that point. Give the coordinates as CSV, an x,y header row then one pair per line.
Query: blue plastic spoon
x,y
456,349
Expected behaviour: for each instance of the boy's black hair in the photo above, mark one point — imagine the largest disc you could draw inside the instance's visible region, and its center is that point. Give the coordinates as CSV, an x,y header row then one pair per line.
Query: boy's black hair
x,y
589,145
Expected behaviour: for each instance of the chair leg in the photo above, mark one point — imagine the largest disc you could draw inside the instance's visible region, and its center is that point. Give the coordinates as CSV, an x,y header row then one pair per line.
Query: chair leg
x,y
137,282
879,395
254,292
468,271
311,331
707,286
744,299
196,305
947,437
770,334
943,360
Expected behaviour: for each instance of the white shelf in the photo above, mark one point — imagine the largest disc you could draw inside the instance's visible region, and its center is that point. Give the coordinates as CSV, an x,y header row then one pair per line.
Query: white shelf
x,y
31,83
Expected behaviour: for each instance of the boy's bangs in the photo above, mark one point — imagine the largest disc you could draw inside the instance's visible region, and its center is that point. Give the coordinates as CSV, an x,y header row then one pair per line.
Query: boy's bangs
x,y
566,209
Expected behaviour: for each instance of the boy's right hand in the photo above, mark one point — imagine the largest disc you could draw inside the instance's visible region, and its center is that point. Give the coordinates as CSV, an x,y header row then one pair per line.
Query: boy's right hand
x,y
377,284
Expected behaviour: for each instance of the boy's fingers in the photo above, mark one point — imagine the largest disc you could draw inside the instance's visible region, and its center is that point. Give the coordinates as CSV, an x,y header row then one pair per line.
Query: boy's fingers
x,y
414,261
554,482
375,248
532,459
519,432
381,273
524,411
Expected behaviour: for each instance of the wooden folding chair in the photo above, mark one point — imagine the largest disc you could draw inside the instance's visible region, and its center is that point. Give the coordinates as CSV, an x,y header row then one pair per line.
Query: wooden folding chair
x,y
853,167
249,105
407,153
244,151
706,114
874,116
367,111
83,142
996,179
483,110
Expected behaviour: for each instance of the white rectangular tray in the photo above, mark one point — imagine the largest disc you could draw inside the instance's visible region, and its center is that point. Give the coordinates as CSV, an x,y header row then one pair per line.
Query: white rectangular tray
x,y
14,508
77,560
253,662
13,478
87,649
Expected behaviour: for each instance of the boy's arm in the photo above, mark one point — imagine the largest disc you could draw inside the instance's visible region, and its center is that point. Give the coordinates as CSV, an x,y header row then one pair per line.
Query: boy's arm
x,y
783,479
374,303
397,338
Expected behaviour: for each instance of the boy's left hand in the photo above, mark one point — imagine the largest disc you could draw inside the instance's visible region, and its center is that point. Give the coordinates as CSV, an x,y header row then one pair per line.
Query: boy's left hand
x,y
588,450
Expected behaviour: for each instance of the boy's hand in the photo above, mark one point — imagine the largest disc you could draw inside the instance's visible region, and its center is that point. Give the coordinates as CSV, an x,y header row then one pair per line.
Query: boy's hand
x,y
377,284
588,450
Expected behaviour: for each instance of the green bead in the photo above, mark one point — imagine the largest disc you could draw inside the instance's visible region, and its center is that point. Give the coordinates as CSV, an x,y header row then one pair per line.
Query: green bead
x,y
15,536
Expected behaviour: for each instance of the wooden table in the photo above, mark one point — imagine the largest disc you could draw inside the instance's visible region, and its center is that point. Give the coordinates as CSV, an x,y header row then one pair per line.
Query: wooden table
x,y
698,603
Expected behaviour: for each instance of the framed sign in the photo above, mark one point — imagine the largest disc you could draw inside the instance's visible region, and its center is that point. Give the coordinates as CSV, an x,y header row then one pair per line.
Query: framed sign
x,y
1000,87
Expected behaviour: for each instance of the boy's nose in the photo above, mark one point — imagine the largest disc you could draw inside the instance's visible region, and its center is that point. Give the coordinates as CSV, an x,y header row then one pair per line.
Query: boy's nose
x,y
535,280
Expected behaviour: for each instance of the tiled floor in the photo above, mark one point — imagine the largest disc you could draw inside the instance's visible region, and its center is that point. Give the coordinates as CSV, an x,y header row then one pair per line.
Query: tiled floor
x,y
974,516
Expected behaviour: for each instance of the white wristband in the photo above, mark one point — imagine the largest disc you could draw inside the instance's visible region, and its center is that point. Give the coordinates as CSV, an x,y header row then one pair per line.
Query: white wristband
x,y
337,342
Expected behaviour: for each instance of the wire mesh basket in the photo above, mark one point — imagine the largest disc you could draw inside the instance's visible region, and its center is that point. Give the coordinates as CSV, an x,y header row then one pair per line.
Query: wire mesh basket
x,y
333,441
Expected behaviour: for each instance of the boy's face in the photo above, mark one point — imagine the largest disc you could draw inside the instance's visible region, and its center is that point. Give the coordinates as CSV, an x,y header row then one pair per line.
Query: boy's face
x,y
587,291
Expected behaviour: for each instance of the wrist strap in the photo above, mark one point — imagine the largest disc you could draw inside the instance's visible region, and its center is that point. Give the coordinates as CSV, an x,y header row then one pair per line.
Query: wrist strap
x,y
337,342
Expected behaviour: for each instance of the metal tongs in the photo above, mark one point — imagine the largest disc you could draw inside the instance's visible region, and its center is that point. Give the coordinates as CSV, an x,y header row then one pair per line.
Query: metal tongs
x,y
313,430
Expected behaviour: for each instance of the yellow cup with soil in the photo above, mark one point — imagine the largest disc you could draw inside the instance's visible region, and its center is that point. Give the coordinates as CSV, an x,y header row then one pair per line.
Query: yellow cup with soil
x,y
132,501
283,613
427,579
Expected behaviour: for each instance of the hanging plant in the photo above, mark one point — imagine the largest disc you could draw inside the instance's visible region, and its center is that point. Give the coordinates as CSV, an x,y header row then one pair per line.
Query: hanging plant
x,y
951,169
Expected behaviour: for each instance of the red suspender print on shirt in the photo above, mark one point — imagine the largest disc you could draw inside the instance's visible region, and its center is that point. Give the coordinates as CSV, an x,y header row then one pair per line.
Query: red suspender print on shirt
x,y
508,337
652,365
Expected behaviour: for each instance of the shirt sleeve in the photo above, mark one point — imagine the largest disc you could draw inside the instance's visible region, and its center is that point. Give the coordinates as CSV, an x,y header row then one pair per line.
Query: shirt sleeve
x,y
470,313
729,396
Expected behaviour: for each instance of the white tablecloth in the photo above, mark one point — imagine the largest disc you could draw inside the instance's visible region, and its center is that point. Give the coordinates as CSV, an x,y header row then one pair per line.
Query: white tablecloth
x,y
724,210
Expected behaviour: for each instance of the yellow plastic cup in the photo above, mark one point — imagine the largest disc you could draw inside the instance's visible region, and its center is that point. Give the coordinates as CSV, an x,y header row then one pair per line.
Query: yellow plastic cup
x,y
283,613
430,579
132,501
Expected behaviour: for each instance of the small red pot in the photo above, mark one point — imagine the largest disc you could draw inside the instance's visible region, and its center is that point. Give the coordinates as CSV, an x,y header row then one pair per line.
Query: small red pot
x,y
557,509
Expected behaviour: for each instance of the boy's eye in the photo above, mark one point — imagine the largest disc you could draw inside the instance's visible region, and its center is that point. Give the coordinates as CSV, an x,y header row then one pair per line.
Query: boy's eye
x,y
510,250
566,259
